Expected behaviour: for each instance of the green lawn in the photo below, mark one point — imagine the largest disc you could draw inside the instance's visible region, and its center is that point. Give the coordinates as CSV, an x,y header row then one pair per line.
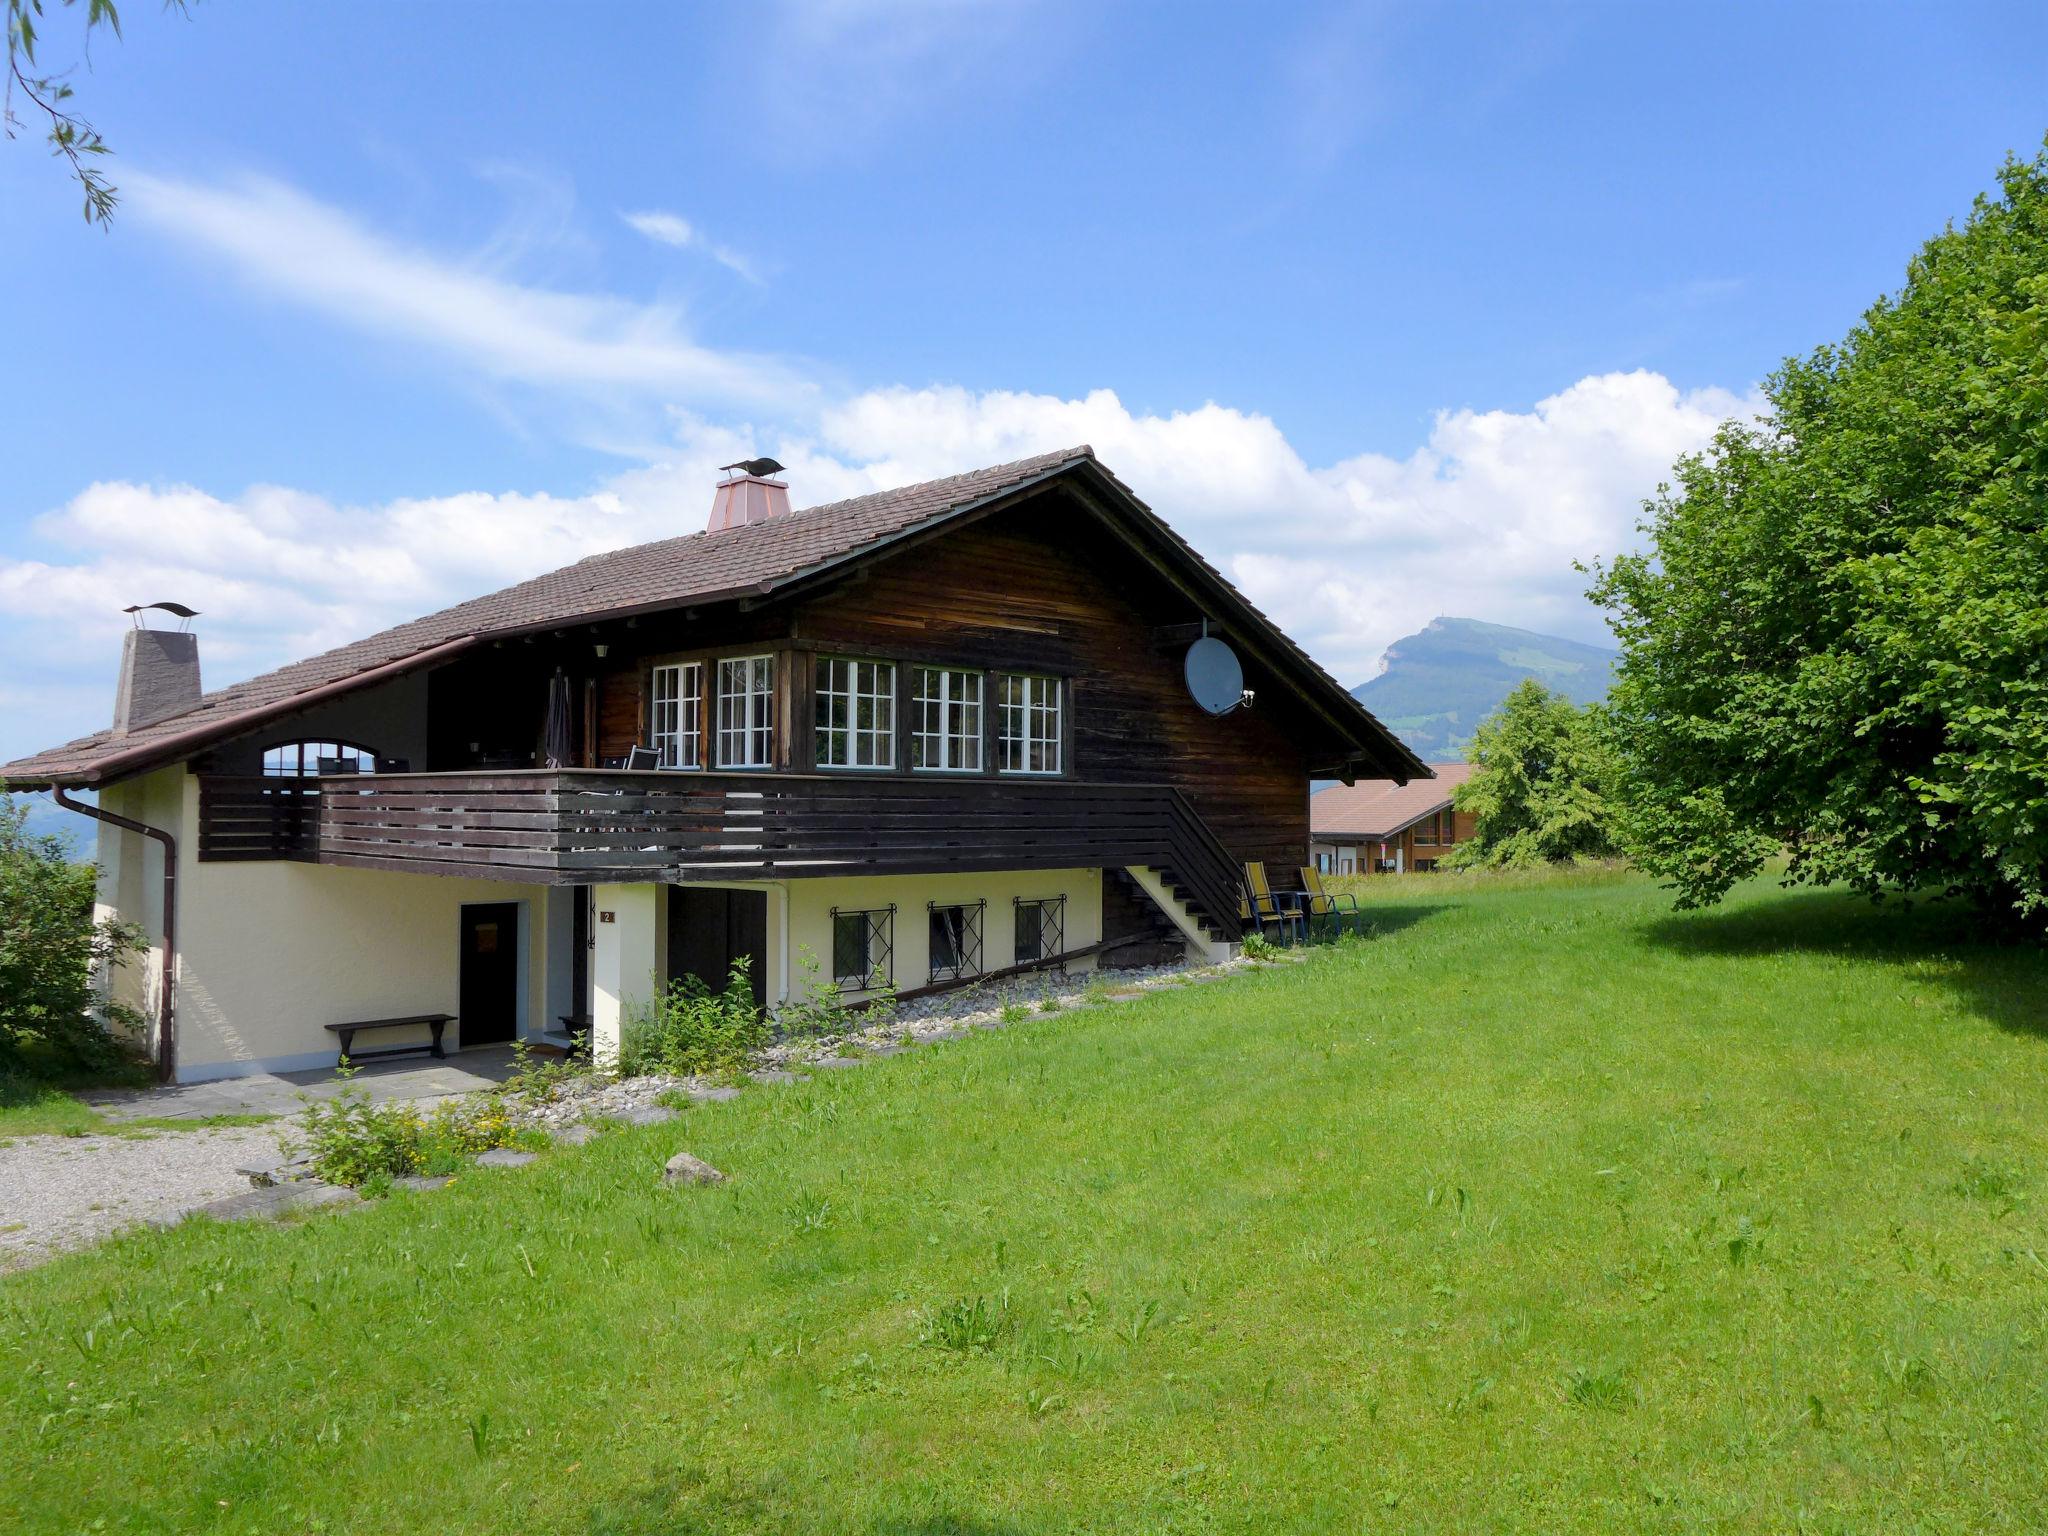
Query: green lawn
x,y
1545,1209
29,1107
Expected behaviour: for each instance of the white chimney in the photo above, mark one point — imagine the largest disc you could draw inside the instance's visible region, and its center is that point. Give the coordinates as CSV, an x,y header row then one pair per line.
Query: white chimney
x,y
747,494
159,671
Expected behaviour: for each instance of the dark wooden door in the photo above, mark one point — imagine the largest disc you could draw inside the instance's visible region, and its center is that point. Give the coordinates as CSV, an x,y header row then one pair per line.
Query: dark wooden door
x,y
490,973
707,929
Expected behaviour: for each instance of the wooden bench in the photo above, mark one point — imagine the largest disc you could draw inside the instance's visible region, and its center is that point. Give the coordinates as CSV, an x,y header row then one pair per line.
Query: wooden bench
x,y
572,1039
347,1032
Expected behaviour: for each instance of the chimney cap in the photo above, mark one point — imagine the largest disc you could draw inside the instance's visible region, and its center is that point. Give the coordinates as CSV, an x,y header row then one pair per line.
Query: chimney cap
x,y
178,611
755,467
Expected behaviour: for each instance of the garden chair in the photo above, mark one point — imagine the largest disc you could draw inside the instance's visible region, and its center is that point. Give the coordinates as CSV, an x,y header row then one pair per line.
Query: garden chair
x,y
1260,909
1335,909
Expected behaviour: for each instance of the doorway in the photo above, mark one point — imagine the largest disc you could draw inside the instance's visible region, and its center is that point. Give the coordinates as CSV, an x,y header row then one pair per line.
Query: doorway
x,y
708,929
488,1009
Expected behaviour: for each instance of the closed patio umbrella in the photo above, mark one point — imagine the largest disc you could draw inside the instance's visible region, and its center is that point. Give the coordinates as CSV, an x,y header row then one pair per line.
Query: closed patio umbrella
x,y
555,745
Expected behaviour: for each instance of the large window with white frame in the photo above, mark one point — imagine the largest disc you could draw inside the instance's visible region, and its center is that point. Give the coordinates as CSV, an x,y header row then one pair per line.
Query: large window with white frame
x,y
945,716
678,715
1028,723
746,712
856,713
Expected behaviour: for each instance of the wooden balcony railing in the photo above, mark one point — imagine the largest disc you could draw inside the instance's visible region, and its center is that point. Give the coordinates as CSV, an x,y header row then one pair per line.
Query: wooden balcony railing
x,y
588,827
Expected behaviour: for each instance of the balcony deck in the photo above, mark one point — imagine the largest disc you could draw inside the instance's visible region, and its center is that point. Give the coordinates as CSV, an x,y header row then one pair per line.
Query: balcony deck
x,y
582,827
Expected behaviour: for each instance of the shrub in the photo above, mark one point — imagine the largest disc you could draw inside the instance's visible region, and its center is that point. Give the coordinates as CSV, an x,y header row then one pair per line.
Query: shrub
x,y
51,1024
1541,788
351,1140
690,1029
821,1008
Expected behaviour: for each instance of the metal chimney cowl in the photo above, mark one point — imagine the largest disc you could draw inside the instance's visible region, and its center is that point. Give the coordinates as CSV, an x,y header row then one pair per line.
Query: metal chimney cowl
x,y
743,499
159,677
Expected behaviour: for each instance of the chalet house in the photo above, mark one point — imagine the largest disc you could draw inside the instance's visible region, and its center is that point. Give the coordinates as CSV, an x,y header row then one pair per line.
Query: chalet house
x,y
1387,827
903,740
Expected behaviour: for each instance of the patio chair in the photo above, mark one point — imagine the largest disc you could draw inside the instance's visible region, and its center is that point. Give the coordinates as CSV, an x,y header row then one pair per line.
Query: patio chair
x,y
1333,908
1260,909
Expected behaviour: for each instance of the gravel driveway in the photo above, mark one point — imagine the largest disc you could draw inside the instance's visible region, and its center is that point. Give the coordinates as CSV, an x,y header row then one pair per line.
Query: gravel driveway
x,y
61,1192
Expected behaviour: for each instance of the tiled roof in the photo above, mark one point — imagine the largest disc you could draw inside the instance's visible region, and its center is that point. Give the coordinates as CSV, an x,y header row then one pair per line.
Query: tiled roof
x,y
1379,807
695,568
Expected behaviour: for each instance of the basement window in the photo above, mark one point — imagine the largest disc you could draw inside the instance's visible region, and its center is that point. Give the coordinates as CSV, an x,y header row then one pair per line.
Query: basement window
x,y
863,948
1041,929
956,940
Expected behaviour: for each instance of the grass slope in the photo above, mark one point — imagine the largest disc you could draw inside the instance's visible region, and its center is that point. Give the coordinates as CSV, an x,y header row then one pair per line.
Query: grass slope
x,y
1545,1209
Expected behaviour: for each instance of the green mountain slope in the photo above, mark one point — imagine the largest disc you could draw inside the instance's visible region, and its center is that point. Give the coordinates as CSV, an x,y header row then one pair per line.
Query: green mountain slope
x,y
1440,683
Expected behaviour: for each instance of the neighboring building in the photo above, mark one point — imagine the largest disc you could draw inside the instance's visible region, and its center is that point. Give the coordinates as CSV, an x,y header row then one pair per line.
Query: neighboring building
x,y
1383,827
922,735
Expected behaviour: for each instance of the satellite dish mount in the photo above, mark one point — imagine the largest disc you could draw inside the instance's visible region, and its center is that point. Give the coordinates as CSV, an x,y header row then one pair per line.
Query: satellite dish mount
x,y
1215,677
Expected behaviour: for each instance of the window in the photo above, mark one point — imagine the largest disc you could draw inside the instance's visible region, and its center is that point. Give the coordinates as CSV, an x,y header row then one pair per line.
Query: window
x,y
302,759
1425,866
956,940
1434,830
679,715
863,948
1030,724
1041,929
746,712
945,715
856,713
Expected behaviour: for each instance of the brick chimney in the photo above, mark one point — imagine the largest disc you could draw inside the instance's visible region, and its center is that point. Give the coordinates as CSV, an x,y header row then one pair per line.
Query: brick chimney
x,y
748,494
159,671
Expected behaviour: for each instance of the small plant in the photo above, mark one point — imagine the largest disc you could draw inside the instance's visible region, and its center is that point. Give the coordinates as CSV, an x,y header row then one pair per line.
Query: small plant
x,y
966,1325
810,1213
1014,1013
1048,1005
351,1140
1258,947
689,1029
1979,1180
537,1080
1596,1389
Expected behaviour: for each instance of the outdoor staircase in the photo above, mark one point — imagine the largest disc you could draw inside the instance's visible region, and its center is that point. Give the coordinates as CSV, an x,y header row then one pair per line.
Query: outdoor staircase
x,y
1183,914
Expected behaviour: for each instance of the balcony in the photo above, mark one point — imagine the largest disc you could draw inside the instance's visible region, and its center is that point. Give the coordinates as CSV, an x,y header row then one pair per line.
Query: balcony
x,y
584,827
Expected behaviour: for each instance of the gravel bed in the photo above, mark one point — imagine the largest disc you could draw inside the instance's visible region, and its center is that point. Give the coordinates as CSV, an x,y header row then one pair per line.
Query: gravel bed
x,y
59,1192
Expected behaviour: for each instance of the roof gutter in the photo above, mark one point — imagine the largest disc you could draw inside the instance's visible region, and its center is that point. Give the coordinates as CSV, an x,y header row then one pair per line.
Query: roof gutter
x,y
166,1007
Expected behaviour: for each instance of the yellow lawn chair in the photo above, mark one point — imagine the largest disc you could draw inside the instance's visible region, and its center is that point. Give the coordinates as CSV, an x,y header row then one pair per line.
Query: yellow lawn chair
x,y
1261,909
1333,909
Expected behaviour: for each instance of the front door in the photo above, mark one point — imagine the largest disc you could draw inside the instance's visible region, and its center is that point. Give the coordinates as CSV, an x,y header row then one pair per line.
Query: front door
x,y
489,1007
709,928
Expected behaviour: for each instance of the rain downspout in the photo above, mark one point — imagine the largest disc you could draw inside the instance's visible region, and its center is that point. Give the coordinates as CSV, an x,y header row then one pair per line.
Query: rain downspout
x,y
166,1037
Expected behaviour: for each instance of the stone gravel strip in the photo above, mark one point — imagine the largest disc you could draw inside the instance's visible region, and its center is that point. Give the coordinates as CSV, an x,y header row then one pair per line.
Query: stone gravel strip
x,y
59,1192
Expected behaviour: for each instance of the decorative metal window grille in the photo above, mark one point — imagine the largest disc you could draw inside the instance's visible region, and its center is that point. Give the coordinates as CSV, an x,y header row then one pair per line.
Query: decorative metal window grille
x,y
304,759
945,714
1029,735
863,948
679,715
856,713
956,940
1041,929
746,712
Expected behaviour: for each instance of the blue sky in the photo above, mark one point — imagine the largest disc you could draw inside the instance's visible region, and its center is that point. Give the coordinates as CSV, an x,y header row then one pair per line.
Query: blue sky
x,y
1394,310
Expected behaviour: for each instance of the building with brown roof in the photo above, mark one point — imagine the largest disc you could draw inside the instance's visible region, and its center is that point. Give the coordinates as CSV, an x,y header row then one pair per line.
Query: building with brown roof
x,y
1386,827
914,738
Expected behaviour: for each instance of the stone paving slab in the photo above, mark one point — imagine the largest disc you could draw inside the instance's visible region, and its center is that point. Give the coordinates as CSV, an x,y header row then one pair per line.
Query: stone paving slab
x,y
275,1200
275,1093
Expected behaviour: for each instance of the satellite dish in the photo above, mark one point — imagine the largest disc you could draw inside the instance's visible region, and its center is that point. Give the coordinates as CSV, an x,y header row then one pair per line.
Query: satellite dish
x,y
1215,679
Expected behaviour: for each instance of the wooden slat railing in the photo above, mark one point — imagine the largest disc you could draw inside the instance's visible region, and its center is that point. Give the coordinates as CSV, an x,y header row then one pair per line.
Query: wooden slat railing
x,y
580,826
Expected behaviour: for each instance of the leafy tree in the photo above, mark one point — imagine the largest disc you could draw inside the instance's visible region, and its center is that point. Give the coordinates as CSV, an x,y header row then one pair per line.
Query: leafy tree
x,y
69,135
1540,789
50,1018
1837,642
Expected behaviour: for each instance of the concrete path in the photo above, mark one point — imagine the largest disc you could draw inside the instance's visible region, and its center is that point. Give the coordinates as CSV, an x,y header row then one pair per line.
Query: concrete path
x,y
413,1077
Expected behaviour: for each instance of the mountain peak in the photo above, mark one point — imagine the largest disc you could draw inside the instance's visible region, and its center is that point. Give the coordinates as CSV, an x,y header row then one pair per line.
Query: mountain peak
x,y
1435,685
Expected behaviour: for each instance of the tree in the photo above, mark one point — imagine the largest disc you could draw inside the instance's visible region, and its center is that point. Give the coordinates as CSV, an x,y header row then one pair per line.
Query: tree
x,y
70,135
49,949
1540,790
1837,642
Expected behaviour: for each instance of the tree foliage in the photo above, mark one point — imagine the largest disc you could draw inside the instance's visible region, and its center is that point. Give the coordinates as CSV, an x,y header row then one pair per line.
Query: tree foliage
x,y
50,95
1837,642
1540,789
49,949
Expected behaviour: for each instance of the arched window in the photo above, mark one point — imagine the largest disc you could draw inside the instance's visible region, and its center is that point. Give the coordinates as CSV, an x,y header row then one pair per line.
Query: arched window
x,y
303,759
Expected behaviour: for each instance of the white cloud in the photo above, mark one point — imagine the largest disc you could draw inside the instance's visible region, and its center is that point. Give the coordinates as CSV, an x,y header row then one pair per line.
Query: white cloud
x,y
673,229
1484,519
287,243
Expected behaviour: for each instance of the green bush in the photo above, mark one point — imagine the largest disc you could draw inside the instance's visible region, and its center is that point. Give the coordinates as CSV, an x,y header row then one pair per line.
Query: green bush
x,y
351,1140
1541,788
51,1023
690,1029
